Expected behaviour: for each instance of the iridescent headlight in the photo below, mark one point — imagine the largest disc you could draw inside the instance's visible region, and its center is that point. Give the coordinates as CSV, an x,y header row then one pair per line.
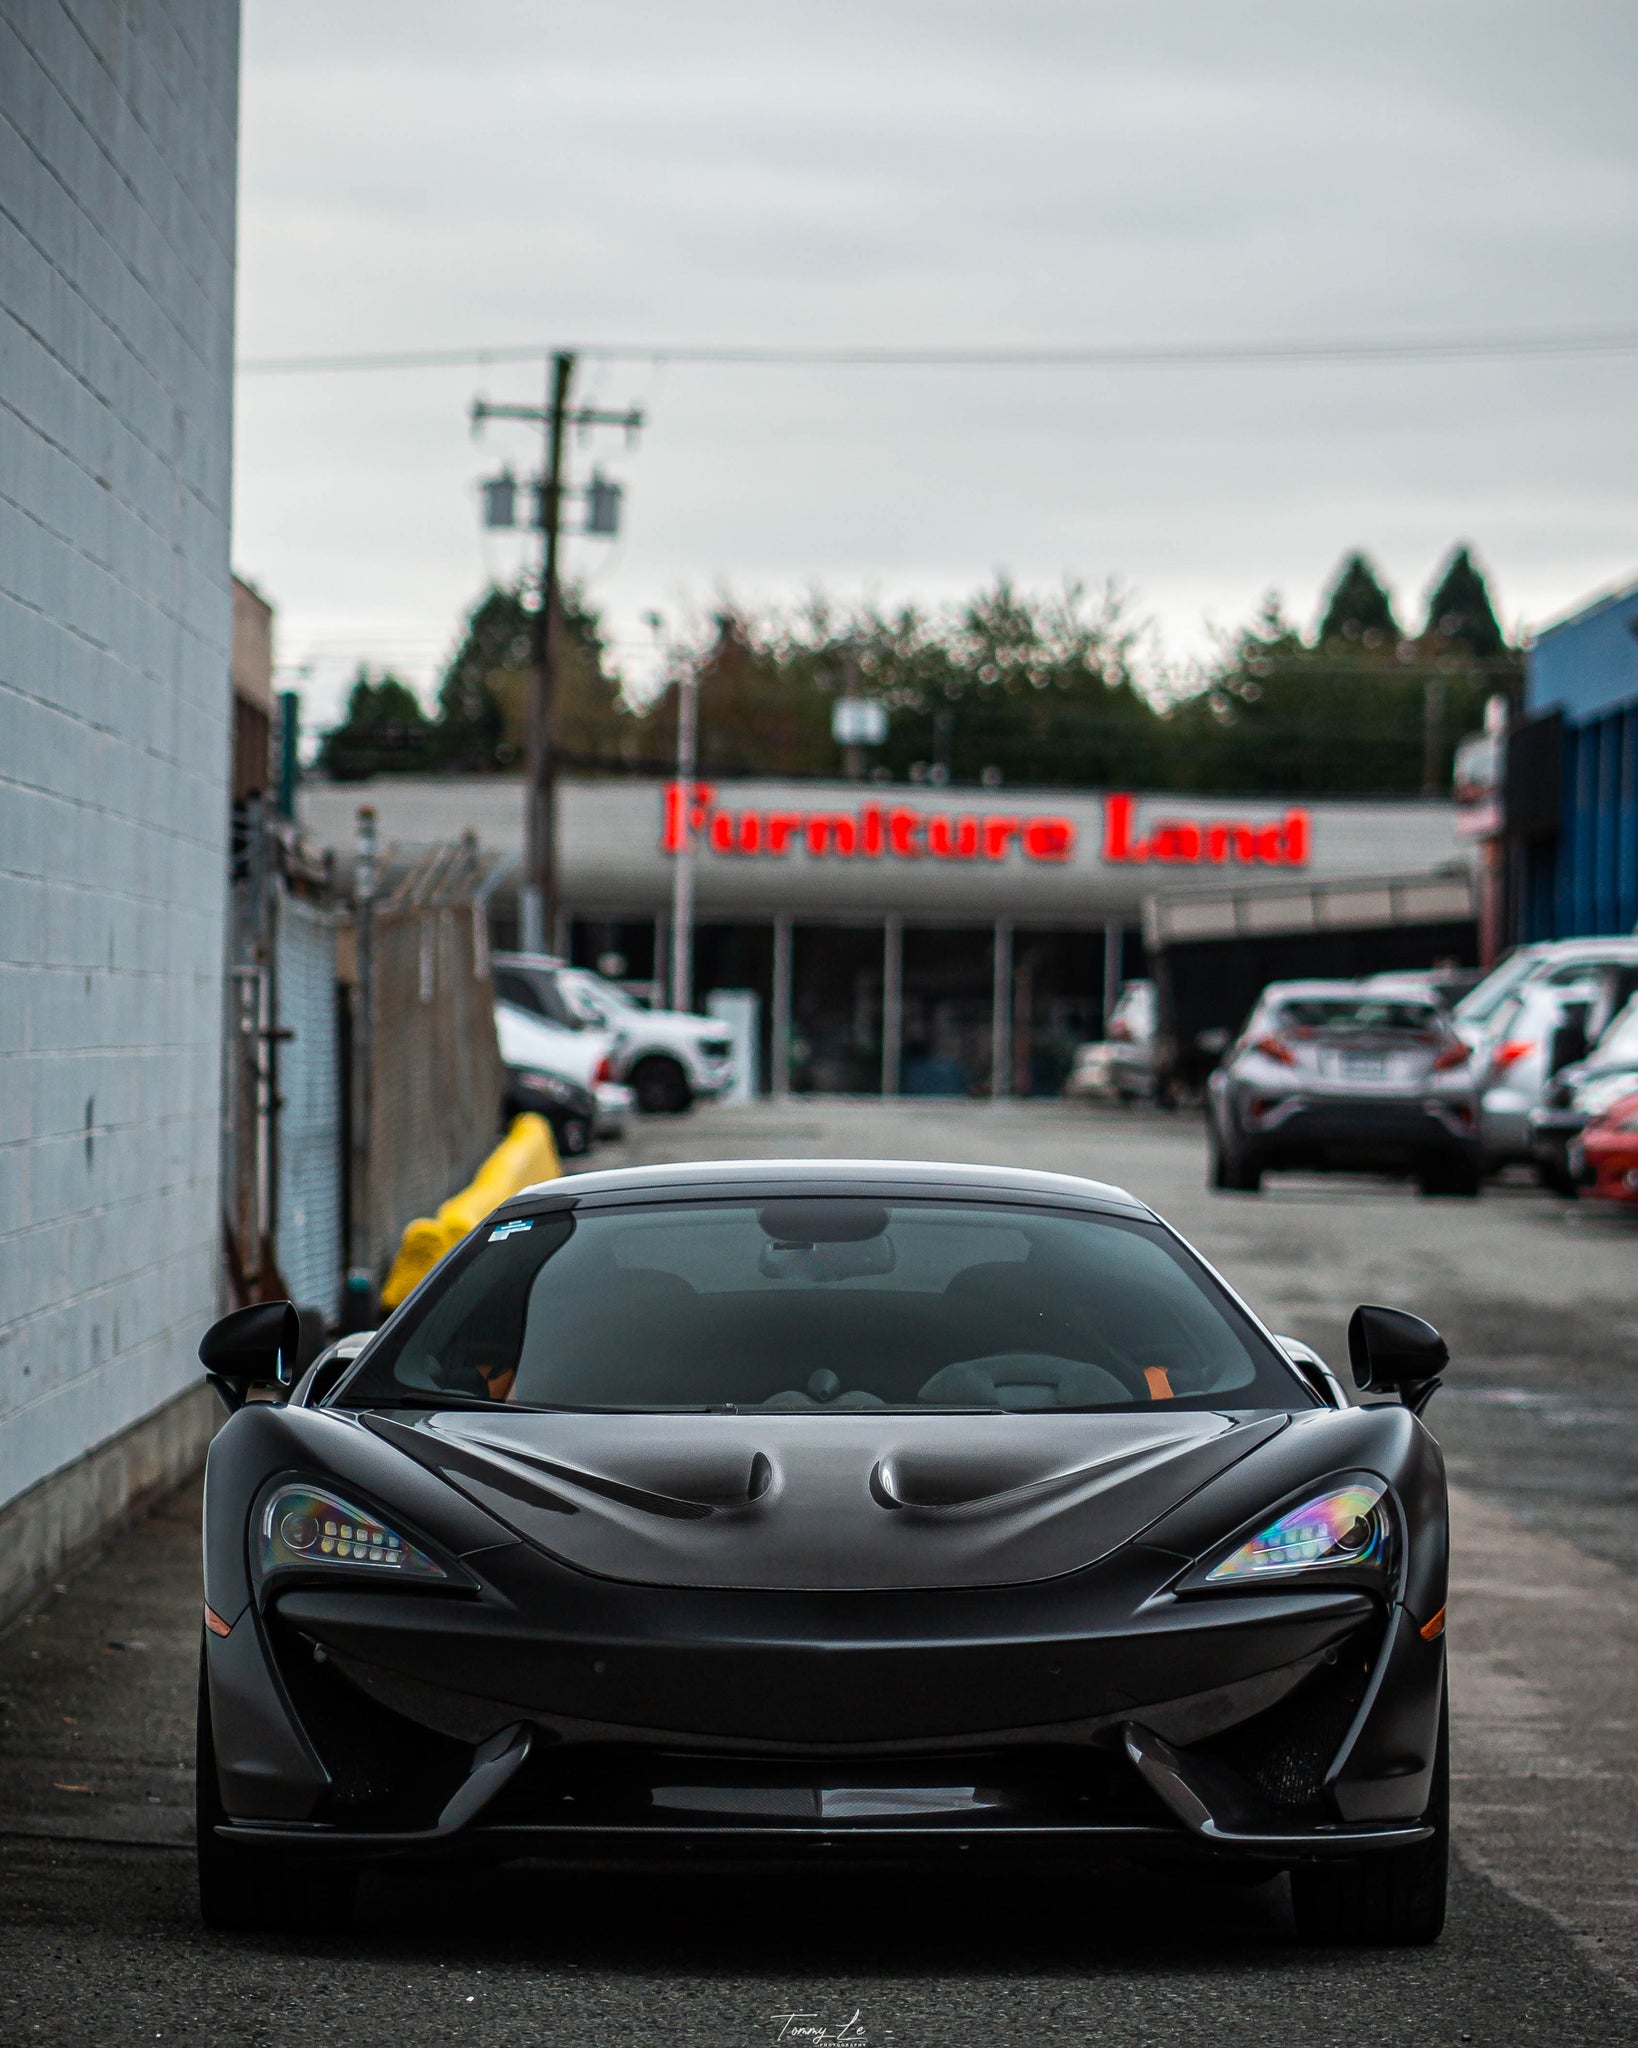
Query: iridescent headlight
x,y
305,1525
1345,1525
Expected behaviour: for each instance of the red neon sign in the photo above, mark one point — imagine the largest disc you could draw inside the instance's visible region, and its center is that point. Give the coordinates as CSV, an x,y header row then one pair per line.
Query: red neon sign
x,y
870,832
1184,842
875,830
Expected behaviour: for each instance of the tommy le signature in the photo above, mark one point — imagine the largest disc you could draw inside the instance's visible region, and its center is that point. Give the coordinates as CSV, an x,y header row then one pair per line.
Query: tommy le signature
x,y
809,2027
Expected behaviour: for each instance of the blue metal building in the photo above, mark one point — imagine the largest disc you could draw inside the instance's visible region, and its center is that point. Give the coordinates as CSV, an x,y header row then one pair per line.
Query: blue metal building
x,y
1572,776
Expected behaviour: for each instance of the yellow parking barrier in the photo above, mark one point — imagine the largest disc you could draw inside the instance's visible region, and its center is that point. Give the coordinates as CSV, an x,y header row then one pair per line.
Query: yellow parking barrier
x,y
525,1155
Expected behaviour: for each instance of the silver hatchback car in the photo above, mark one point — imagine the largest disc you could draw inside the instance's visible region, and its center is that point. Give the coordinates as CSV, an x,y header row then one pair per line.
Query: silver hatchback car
x,y
1346,1076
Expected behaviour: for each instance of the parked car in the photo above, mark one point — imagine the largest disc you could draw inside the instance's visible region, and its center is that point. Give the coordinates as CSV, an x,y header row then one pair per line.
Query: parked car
x,y
1089,1078
914,1514
532,1044
1560,963
1131,1035
1544,1027
570,1109
1604,1159
668,1058
1446,986
1335,1075
1580,1091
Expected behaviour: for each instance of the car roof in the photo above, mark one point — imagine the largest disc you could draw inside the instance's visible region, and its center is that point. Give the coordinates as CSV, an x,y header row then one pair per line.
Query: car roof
x,y
834,1176
1280,990
1617,946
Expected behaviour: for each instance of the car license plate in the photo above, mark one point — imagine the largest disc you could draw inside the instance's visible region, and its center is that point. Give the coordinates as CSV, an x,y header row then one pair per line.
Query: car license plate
x,y
1364,1066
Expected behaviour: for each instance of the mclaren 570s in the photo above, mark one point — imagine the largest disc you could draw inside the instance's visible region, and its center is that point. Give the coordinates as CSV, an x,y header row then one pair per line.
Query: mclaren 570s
x,y
777,1511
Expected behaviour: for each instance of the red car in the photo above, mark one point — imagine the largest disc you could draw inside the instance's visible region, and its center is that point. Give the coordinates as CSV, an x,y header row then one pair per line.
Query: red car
x,y
1608,1148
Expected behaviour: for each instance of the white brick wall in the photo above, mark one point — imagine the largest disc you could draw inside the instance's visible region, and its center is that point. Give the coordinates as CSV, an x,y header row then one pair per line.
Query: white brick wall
x,y
118,139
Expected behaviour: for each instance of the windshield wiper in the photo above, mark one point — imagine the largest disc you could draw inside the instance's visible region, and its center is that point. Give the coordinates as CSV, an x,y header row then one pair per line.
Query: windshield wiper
x,y
478,1403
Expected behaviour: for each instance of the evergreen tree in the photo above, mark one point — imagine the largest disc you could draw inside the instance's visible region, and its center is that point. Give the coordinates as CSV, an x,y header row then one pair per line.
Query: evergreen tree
x,y
383,729
485,697
1359,607
491,661
1460,612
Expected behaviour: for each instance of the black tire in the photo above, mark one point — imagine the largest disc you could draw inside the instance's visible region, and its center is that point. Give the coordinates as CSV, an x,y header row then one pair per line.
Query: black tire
x,y
1232,1171
1461,1178
1394,1900
573,1135
1557,1179
661,1086
256,1890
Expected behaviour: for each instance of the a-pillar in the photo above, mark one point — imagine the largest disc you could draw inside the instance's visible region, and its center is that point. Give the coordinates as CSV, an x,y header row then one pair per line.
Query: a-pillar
x,y
779,1059
1001,1010
892,1002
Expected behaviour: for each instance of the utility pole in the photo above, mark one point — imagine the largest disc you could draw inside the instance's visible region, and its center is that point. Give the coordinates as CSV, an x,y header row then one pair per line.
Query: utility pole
x,y
538,898
540,815
681,995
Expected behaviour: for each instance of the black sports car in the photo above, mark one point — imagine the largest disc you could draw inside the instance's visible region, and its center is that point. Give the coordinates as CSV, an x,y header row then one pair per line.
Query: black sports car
x,y
832,1510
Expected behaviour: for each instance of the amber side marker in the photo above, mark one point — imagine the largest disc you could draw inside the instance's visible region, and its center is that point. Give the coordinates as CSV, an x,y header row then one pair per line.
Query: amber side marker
x,y
219,1627
1430,1631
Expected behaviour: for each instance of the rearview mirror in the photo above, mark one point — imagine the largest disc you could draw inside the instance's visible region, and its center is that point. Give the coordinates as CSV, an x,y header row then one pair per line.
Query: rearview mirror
x,y
1398,1352
251,1347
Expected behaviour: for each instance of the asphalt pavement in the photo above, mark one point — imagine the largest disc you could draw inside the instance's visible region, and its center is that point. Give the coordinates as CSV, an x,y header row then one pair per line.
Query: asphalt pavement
x,y
100,1942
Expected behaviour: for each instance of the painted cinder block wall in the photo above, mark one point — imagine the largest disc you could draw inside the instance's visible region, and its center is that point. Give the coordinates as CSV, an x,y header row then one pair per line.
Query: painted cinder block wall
x,y
118,145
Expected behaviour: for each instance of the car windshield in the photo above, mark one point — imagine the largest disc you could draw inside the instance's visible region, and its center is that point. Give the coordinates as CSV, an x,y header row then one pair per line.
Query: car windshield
x,y
1480,1004
825,1303
534,990
599,995
1351,1016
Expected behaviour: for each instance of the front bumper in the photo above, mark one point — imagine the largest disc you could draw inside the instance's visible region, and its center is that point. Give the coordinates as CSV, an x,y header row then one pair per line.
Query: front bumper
x,y
1604,1170
769,1741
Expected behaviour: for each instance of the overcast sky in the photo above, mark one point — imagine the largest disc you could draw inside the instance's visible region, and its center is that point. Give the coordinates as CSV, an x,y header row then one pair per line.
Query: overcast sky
x,y
942,172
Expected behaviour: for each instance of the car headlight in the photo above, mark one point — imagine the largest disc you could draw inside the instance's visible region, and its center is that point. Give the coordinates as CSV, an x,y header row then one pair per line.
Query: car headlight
x,y
308,1525
1345,1525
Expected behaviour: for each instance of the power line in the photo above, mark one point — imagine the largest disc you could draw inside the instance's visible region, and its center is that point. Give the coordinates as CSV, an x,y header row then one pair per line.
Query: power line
x,y
1497,347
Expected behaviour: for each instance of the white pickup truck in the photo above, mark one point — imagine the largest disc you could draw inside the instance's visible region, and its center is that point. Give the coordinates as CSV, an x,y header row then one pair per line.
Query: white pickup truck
x,y
667,1058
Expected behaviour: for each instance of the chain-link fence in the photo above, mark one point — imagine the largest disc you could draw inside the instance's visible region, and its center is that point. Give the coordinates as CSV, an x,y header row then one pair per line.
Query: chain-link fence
x,y
362,1080
427,1074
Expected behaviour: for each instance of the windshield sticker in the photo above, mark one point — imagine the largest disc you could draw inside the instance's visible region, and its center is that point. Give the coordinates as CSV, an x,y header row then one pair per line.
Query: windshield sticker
x,y
511,1229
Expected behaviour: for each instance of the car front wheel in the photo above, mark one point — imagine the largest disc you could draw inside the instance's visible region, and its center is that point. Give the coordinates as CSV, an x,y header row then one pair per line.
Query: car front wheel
x,y
574,1137
661,1086
1394,1900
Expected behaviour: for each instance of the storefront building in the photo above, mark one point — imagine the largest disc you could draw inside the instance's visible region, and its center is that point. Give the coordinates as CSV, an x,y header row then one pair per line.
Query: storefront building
x,y
1571,787
902,939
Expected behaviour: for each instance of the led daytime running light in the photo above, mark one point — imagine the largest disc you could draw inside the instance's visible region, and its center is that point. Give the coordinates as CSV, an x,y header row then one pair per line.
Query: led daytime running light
x,y
305,1525
1344,1526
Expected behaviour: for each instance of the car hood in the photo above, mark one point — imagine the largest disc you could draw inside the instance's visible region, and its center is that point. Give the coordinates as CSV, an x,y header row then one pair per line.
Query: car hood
x,y
838,1502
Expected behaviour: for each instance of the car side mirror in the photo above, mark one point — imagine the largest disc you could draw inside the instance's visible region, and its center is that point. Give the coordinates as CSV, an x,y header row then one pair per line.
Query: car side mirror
x,y
251,1347
1398,1352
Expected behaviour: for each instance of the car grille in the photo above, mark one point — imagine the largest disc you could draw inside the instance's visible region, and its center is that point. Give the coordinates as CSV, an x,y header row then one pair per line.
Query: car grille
x,y
617,1787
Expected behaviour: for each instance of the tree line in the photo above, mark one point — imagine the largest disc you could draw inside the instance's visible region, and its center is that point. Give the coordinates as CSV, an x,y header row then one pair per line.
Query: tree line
x,y
1008,687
